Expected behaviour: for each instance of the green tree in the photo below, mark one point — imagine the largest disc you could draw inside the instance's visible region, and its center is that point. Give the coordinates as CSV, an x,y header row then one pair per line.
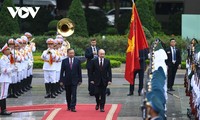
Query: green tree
x,y
8,24
147,15
77,15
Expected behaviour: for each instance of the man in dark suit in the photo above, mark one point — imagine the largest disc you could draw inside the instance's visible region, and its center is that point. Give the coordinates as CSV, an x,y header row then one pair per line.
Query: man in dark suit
x,y
71,77
101,77
90,53
143,54
173,62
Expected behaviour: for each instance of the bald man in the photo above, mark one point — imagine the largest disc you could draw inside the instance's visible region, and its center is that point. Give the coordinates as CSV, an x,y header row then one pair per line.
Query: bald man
x,y
101,77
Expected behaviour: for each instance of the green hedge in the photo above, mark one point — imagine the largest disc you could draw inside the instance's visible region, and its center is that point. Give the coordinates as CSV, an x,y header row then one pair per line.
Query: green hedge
x,y
114,64
38,64
183,65
122,59
113,44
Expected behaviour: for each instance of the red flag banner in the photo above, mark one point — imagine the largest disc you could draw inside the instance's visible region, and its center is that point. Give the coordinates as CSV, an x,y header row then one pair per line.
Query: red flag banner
x,y
136,41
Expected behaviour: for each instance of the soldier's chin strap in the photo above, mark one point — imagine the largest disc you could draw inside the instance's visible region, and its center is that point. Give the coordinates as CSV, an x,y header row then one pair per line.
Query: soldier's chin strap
x,y
176,96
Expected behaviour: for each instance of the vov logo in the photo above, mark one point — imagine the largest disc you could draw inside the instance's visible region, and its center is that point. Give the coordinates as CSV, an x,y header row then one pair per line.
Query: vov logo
x,y
23,12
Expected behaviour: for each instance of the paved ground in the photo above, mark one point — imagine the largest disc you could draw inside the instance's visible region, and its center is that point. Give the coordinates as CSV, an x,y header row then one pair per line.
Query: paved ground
x,y
119,88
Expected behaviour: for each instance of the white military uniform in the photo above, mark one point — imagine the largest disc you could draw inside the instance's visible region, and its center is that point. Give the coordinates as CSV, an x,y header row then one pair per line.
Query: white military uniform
x,y
14,73
6,75
31,48
20,60
49,69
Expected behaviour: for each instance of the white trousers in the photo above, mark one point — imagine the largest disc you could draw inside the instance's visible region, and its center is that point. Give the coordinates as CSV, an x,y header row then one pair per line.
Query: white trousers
x,y
30,71
4,90
57,76
49,76
20,77
14,77
24,73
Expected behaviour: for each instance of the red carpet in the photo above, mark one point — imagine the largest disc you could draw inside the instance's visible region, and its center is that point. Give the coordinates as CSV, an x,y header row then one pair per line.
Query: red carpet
x,y
84,111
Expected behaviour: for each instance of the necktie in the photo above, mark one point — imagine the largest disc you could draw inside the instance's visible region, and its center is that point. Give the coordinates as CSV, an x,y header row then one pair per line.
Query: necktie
x,y
94,49
101,64
174,51
12,61
50,59
70,63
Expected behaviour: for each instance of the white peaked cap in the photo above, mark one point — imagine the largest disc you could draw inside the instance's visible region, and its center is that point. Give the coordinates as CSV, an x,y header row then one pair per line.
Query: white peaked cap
x,y
24,38
4,47
28,34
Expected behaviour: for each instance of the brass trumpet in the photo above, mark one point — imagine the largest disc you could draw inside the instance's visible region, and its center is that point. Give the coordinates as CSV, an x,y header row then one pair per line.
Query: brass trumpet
x,y
29,42
48,51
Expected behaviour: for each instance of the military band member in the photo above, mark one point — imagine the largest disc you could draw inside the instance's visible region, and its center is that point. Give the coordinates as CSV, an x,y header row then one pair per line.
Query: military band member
x,y
64,46
31,48
5,77
59,54
18,62
12,87
49,67
30,41
24,52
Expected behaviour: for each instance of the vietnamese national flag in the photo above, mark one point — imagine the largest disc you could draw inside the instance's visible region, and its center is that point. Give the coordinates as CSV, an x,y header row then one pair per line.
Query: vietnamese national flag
x,y
136,41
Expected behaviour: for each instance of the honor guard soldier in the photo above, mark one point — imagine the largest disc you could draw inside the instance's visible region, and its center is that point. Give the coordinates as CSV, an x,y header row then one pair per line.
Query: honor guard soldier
x,y
155,107
49,67
12,87
58,45
24,52
155,97
5,77
64,46
18,62
31,48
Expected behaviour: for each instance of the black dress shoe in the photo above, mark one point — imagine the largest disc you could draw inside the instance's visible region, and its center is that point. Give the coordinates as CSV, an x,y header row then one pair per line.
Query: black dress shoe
x,y
18,94
14,96
4,112
139,94
73,109
58,92
172,89
9,96
47,96
97,107
102,110
53,96
130,94
68,109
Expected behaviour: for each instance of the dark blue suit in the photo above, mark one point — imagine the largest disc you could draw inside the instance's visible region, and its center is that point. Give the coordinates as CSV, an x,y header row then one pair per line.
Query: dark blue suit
x,y
70,78
101,77
89,55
